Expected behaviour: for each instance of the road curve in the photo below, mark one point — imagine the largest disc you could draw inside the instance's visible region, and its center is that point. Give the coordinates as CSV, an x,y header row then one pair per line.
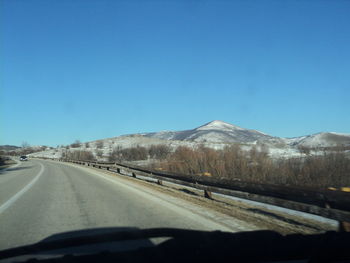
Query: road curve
x,y
40,198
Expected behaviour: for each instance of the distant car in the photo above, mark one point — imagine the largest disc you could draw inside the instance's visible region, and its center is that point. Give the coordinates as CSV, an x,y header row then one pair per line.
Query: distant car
x,y
23,158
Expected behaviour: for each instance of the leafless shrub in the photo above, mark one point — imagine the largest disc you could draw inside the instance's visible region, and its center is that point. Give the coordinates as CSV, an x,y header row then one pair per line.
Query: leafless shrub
x,y
329,169
159,152
99,153
76,144
129,154
25,144
304,150
99,144
115,155
78,155
194,161
135,153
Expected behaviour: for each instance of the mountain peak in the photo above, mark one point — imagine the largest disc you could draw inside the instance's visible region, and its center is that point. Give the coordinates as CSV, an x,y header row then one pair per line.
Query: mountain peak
x,y
213,132
218,125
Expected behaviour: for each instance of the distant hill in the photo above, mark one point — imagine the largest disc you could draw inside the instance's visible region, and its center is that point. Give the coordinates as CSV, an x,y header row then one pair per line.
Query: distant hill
x,y
322,139
8,148
222,132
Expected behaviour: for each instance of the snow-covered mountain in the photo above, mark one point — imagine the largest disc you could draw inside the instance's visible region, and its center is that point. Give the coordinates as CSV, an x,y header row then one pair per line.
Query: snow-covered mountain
x,y
323,139
215,131
215,134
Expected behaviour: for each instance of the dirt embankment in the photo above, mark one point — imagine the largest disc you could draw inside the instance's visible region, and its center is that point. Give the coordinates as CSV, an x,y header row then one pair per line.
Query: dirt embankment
x,y
6,163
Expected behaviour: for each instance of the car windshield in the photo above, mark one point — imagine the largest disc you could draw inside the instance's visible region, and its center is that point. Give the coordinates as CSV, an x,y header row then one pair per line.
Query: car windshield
x,y
197,115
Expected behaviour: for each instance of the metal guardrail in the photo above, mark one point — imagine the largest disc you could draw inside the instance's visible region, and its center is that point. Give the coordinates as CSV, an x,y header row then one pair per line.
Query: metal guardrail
x,y
326,203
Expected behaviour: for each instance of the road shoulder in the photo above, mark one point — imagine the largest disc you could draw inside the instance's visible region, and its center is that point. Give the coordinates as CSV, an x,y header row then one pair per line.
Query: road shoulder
x,y
230,213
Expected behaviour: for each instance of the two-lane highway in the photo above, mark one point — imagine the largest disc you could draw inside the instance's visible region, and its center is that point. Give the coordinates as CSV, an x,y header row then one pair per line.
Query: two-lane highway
x,y
39,198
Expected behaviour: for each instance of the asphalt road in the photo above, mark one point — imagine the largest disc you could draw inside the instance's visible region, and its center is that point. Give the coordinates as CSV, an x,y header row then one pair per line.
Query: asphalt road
x,y
40,198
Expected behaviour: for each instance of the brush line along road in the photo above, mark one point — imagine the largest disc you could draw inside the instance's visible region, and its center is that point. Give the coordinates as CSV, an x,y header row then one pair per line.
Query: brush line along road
x,y
40,198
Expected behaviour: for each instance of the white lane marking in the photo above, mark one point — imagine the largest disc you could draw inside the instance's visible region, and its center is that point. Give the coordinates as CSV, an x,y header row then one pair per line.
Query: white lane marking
x,y
14,198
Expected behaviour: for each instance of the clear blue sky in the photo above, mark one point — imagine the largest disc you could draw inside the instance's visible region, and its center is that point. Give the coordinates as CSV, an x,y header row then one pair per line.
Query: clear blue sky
x,y
87,69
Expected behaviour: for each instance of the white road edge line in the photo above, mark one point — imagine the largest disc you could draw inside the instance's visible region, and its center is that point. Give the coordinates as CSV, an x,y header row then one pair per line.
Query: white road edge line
x,y
14,198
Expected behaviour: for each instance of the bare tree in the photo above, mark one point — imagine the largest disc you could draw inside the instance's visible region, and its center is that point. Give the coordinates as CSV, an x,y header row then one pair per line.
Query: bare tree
x,y
99,144
115,155
78,155
76,144
304,150
99,153
159,152
128,154
25,144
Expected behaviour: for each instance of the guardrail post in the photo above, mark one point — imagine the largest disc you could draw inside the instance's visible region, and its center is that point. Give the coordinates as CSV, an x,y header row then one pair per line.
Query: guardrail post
x,y
207,194
344,226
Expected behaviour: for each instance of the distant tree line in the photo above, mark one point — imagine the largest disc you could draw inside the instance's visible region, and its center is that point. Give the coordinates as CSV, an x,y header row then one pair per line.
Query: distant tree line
x,y
78,155
330,168
137,153
75,144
